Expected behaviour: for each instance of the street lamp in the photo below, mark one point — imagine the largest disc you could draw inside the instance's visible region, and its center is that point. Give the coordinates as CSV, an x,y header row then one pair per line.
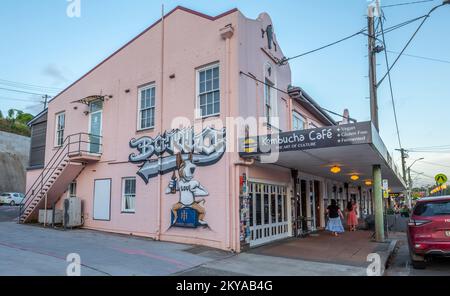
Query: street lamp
x,y
409,177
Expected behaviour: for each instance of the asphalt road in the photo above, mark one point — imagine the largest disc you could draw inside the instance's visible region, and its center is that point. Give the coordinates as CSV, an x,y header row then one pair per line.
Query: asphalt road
x,y
401,266
8,213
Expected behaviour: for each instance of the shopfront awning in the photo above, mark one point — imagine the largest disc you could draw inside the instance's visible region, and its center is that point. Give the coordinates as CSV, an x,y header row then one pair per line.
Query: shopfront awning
x,y
354,148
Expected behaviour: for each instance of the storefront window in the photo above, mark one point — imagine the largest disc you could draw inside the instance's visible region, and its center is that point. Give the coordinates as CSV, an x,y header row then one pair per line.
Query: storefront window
x,y
273,207
266,208
258,209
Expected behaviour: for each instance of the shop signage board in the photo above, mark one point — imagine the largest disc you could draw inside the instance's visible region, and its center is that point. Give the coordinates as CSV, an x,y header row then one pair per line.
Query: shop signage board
x,y
335,136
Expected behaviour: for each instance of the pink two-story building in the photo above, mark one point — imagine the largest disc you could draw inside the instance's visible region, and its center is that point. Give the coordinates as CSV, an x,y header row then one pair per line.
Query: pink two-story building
x,y
159,140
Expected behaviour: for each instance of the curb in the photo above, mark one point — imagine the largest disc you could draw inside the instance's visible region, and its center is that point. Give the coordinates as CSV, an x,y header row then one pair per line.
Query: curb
x,y
386,256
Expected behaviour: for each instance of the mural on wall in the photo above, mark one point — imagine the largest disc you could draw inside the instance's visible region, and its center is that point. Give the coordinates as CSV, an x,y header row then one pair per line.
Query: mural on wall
x,y
181,151
187,212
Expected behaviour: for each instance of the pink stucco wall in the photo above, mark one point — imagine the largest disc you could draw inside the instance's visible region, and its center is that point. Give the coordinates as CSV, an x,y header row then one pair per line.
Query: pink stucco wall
x,y
190,41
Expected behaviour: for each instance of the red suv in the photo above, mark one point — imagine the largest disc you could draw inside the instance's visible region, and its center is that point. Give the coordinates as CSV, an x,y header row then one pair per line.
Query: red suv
x,y
429,230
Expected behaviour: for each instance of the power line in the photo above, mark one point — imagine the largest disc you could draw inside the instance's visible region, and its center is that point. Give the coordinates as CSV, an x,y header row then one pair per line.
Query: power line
x,y
430,147
26,85
19,100
20,91
421,57
408,43
390,83
407,3
435,164
285,92
405,23
285,60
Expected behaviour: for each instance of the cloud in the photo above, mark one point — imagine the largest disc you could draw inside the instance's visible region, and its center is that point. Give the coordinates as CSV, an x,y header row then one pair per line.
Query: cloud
x,y
56,73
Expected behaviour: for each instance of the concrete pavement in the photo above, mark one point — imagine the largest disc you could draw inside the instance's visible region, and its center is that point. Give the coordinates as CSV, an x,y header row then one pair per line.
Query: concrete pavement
x,y
33,250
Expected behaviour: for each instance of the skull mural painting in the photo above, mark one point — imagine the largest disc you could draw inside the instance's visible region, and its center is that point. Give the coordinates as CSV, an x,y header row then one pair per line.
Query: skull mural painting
x,y
185,152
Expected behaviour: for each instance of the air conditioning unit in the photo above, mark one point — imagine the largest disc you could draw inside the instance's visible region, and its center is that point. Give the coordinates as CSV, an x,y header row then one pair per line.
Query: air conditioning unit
x,y
48,219
72,213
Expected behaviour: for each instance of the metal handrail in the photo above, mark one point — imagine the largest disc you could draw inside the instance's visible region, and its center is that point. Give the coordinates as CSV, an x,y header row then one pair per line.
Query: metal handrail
x,y
44,177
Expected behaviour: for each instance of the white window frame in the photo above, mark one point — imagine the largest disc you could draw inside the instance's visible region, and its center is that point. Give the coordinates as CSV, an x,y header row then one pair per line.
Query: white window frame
x,y
139,116
58,130
298,116
273,96
72,190
213,90
124,195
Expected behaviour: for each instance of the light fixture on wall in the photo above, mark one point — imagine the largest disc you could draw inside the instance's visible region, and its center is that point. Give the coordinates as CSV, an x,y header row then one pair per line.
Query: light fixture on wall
x,y
335,169
368,182
354,177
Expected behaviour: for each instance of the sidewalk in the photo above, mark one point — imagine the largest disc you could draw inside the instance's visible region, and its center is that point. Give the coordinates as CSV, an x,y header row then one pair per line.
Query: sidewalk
x,y
317,255
350,248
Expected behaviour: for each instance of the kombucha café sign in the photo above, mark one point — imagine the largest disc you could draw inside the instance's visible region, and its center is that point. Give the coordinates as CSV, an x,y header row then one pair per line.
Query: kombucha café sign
x,y
333,136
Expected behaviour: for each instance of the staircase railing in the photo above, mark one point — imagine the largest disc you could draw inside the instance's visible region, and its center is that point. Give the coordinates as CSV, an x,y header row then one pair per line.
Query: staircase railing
x,y
72,145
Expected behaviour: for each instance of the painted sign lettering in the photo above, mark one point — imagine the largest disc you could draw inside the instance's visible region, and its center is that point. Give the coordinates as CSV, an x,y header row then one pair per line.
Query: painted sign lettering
x,y
207,148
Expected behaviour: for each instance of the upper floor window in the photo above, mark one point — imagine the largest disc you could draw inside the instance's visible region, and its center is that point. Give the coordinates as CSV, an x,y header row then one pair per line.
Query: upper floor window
x,y
270,97
208,95
268,109
128,195
60,126
146,107
298,121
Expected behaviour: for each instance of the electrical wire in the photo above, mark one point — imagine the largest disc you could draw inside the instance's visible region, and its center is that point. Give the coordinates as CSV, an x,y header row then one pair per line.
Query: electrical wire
x,y
285,92
285,60
401,25
26,85
408,43
390,83
421,57
407,3
430,147
436,164
21,91
19,100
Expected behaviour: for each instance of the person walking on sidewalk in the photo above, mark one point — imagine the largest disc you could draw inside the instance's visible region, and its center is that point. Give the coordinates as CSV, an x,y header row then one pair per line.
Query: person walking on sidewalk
x,y
352,215
334,219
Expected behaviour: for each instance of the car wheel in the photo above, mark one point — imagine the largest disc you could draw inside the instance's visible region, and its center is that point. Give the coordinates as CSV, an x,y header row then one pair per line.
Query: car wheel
x,y
12,203
418,262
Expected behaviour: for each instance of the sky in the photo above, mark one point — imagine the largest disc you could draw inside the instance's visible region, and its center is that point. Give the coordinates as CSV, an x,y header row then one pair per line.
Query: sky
x,y
42,46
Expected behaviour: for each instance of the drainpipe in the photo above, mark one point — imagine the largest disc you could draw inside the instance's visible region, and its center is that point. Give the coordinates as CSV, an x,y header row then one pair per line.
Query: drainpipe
x,y
226,34
160,187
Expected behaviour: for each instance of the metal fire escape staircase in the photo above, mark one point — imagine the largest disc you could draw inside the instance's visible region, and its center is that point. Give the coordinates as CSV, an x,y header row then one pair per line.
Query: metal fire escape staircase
x,y
66,164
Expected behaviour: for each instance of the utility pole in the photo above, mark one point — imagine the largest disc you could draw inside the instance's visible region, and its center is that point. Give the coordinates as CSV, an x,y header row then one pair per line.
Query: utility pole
x,y
404,156
377,177
45,97
373,65
409,189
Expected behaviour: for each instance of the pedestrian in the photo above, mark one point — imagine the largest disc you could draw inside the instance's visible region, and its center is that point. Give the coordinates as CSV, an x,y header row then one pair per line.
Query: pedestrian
x,y
405,211
352,215
334,224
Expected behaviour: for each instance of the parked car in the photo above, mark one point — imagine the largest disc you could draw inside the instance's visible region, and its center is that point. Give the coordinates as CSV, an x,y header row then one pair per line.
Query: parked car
x,y
429,230
12,198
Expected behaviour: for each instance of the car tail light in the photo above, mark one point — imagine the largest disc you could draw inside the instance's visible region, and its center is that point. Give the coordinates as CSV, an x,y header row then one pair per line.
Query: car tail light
x,y
414,222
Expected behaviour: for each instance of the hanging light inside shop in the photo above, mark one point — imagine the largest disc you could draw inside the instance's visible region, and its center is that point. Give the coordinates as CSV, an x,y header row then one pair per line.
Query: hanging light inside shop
x,y
368,182
354,177
335,169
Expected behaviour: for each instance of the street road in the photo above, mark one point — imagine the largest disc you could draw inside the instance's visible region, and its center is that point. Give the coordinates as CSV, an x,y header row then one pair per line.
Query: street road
x,y
400,265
